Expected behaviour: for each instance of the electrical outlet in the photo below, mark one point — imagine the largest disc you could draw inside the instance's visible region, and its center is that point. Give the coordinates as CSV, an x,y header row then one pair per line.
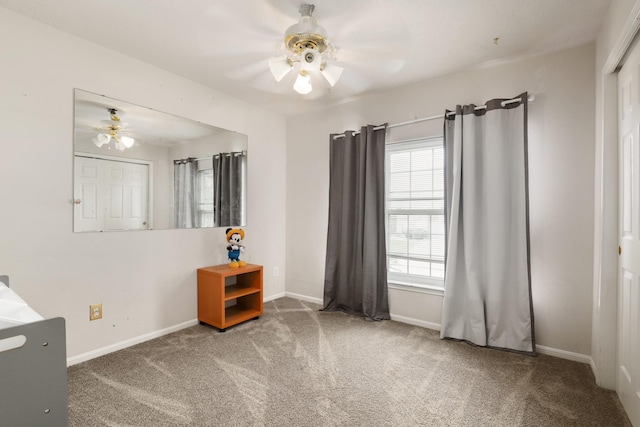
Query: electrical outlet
x,y
95,311
275,271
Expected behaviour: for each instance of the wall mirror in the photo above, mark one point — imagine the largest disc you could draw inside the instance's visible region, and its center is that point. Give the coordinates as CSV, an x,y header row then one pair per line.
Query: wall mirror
x,y
136,168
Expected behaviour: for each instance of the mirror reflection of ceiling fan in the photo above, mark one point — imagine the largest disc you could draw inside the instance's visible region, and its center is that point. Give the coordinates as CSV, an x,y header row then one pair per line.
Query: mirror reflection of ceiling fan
x,y
112,131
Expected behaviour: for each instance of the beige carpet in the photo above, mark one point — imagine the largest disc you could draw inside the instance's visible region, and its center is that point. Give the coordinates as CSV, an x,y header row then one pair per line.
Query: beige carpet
x,y
296,366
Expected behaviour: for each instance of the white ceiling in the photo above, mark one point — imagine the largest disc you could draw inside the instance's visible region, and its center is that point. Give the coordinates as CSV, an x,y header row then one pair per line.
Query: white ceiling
x,y
226,44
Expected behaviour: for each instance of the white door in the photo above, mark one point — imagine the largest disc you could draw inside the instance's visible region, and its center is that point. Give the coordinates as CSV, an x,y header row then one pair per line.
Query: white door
x,y
126,196
85,194
110,195
628,375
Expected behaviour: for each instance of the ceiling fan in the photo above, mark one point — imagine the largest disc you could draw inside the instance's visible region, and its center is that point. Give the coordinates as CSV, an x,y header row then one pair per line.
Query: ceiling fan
x,y
285,52
113,132
308,46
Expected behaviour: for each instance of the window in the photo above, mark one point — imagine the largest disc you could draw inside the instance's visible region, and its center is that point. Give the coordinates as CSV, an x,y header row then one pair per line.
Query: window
x,y
204,198
415,213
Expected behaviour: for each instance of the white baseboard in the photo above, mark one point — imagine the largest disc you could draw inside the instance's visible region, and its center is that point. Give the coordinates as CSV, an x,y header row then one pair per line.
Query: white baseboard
x,y
594,369
563,354
128,343
272,297
304,298
416,322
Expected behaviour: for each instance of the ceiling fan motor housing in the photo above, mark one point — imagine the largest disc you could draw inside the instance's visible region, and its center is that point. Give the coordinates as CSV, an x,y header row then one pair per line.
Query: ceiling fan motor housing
x,y
306,33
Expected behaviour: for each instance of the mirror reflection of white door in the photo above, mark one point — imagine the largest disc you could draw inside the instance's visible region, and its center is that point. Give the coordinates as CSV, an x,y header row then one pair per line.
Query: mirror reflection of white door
x,y
110,195
628,375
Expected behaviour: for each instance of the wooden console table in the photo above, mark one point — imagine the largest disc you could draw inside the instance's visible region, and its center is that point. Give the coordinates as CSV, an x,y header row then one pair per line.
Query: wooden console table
x,y
215,290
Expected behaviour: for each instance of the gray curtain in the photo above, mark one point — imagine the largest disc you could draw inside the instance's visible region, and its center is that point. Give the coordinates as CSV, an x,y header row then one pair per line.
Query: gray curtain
x,y
184,192
228,189
356,266
487,296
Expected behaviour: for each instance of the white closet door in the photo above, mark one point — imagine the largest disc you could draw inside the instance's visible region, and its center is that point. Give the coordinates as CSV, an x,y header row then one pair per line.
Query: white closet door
x,y
628,378
85,194
126,196
110,195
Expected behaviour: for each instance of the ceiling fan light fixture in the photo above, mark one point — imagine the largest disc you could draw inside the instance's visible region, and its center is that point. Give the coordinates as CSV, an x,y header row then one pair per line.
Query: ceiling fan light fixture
x,y
127,141
331,73
308,44
280,67
121,142
101,139
303,83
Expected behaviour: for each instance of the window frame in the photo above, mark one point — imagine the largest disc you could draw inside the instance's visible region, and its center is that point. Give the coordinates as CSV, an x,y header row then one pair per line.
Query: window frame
x,y
203,174
429,285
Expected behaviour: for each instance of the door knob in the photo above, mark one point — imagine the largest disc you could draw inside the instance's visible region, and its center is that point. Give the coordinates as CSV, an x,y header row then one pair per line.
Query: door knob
x,y
77,201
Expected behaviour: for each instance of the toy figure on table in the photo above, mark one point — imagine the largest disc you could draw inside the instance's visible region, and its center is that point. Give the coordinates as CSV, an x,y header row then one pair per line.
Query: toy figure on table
x,y
234,237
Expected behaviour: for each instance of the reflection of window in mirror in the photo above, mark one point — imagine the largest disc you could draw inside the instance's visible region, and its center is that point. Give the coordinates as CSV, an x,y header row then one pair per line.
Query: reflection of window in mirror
x,y
204,202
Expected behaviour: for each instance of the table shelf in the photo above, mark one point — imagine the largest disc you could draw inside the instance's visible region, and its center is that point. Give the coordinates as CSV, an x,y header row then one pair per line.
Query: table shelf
x,y
216,294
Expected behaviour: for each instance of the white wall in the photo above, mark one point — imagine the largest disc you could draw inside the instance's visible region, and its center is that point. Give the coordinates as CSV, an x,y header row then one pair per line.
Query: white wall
x,y
561,135
145,280
614,35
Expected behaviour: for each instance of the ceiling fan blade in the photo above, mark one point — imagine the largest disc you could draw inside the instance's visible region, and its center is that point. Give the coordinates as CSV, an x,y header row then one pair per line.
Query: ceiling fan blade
x,y
265,82
372,39
260,37
380,61
352,82
249,71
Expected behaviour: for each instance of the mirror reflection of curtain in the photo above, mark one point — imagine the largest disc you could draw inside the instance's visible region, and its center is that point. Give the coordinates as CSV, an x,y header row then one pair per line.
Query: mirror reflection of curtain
x,y
184,192
229,188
